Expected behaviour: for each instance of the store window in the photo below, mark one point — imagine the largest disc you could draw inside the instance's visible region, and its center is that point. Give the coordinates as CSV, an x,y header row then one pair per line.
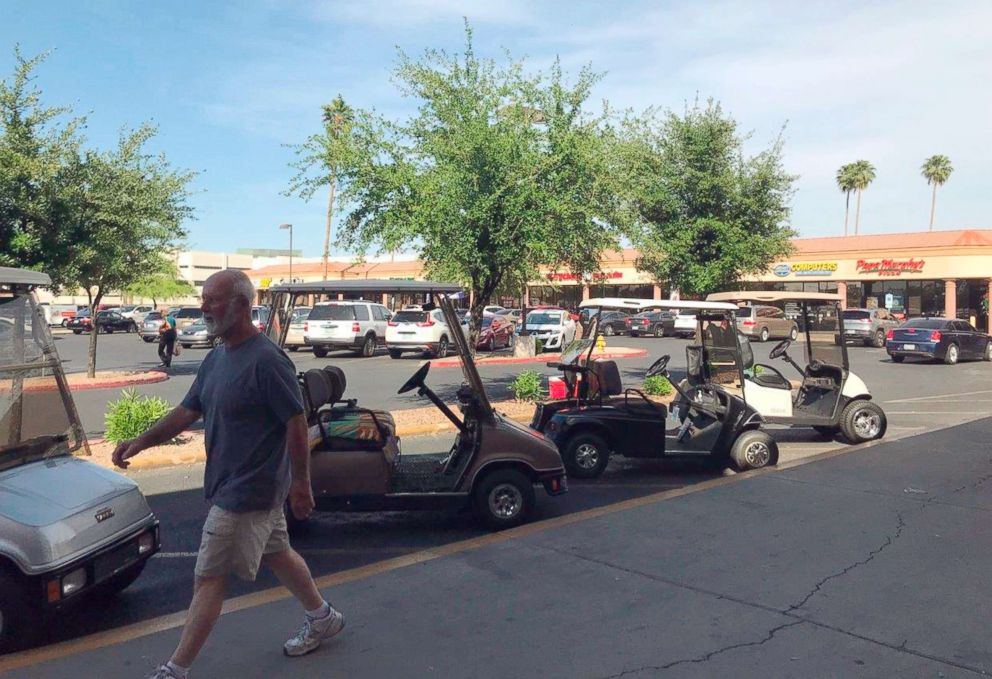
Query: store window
x,y
855,295
931,298
626,291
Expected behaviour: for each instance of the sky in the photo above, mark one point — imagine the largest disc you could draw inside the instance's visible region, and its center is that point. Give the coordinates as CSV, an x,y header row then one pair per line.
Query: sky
x,y
232,86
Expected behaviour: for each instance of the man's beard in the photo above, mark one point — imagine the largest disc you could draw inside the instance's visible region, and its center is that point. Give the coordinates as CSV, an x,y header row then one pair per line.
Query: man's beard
x,y
218,327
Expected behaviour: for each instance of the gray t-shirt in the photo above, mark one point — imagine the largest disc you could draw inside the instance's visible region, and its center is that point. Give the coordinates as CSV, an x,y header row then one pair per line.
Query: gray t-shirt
x,y
246,395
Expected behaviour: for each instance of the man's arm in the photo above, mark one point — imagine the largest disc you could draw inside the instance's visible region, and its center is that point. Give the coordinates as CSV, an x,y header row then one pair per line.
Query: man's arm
x,y
300,493
166,429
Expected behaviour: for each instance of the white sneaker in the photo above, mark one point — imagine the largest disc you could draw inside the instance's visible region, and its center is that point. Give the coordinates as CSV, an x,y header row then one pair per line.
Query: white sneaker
x,y
163,672
313,632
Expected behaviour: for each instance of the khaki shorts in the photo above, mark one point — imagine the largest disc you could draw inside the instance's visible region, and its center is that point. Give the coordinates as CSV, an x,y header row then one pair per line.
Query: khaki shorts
x,y
234,542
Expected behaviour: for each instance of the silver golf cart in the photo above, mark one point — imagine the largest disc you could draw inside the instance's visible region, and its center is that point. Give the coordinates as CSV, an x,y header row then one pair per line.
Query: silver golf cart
x,y
831,398
67,527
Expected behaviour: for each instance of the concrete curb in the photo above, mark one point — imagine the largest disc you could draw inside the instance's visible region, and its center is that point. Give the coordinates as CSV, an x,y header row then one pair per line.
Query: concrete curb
x,y
622,352
149,377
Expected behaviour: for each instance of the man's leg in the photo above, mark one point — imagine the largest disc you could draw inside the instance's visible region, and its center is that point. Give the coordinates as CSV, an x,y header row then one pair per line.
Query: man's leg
x,y
161,349
294,574
208,597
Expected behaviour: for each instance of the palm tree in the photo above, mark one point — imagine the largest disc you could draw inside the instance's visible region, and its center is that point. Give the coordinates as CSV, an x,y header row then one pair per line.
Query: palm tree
x,y
862,174
845,182
338,117
936,170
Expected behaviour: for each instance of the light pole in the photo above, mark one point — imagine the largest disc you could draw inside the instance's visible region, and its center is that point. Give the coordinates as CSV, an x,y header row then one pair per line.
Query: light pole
x,y
290,227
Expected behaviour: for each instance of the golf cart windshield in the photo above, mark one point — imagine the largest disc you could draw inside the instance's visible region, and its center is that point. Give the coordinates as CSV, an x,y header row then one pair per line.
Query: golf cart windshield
x,y
721,349
37,419
468,365
576,350
822,325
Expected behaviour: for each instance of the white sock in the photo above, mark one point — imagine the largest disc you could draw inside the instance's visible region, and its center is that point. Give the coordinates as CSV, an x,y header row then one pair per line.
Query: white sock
x,y
322,612
177,670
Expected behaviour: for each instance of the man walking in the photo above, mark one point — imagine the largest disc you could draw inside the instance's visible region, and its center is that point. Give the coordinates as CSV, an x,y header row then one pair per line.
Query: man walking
x,y
257,454
167,339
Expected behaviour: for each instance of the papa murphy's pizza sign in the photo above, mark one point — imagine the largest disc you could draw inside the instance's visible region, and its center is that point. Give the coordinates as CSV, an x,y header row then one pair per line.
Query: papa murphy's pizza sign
x,y
890,267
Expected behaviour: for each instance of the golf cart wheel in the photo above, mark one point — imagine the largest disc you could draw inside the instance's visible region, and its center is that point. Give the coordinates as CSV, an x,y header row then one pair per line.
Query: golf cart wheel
x,y
952,355
586,455
764,334
442,348
794,333
295,526
608,331
753,450
988,352
320,352
878,341
123,580
14,612
897,359
862,421
826,430
395,353
504,498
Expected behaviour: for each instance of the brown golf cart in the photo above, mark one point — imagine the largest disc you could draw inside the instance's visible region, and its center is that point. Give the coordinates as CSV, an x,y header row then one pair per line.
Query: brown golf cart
x,y
357,463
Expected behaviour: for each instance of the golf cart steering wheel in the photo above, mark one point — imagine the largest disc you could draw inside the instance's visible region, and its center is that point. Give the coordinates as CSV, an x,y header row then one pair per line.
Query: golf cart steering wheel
x,y
416,380
780,349
658,367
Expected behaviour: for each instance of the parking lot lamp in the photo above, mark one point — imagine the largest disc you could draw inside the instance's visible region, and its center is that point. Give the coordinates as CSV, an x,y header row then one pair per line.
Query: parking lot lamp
x,y
290,227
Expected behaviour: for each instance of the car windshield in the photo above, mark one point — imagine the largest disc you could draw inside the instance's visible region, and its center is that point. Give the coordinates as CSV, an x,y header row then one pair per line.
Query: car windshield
x,y
154,316
744,312
410,317
856,315
35,418
926,323
332,312
487,321
543,318
188,312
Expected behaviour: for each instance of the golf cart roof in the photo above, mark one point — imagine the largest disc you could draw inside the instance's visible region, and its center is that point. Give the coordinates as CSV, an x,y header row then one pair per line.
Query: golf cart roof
x,y
362,285
642,304
12,276
773,296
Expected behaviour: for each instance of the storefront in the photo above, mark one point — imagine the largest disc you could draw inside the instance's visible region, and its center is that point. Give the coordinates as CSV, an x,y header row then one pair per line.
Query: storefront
x,y
618,277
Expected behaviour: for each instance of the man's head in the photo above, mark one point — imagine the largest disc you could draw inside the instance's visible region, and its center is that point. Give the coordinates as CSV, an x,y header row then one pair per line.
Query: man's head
x,y
227,299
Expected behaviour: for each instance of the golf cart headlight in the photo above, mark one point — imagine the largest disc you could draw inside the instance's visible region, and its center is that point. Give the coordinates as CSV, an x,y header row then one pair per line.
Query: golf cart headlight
x,y
146,542
73,581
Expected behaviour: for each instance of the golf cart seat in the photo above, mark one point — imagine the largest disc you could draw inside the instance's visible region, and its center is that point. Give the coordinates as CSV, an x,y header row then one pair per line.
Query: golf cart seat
x,y
606,378
343,425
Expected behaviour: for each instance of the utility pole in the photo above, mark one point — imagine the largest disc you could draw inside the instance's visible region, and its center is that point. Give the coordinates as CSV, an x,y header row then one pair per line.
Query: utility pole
x,y
290,227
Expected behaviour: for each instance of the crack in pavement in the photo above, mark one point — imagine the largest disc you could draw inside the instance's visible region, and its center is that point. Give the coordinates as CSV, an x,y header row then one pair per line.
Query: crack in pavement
x,y
705,658
889,539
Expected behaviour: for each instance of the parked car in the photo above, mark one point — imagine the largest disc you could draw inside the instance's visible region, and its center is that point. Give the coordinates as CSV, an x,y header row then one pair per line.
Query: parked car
x,y
496,332
70,530
554,327
422,331
761,322
513,316
196,335
58,314
259,317
492,309
657,323
614,323
295,334
358,325
136,312
106,321
187,315
868,326
685,323
149,329
942,339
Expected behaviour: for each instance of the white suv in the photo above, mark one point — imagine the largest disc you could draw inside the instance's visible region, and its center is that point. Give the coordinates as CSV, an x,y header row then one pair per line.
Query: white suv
x,y
360,326
424,331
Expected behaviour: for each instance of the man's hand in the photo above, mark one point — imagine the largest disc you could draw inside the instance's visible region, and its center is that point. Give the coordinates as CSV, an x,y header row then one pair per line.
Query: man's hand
x,y
125,450
301,498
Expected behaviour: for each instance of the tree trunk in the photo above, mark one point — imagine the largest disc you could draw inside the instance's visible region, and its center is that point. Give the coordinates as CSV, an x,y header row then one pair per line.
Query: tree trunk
x,y
847,209
857,214
933,204
327,229
94,303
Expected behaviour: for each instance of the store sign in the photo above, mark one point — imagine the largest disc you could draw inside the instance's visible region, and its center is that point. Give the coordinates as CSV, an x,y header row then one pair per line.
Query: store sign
x,y
265,283
891,267
806,269
598,276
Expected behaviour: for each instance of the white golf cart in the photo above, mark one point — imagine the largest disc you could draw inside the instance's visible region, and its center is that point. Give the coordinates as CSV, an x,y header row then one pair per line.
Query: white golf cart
x,y
831,398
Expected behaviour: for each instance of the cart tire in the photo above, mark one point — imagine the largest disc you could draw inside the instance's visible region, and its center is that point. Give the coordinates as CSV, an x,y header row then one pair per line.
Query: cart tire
x,y
320,352
952,354
608,331
830,431
764,334
863,421
878,341
123,580
794,333
15,612
754,449
395,353
504,498
295,526
586,455
898,359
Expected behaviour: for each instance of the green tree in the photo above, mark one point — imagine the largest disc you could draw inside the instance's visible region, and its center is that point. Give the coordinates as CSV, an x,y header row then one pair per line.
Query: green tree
x,y
708,214
862,173
936,170
161,282
845,182
497,173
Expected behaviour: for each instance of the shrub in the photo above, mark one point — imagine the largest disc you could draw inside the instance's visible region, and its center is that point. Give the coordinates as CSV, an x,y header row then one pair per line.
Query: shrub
x,y
657,385
132,415
527,386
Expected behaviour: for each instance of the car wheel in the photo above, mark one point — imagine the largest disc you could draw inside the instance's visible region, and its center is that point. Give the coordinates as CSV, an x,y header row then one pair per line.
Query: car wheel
x,y
123,580
15,611
504,498
186,346
491,344
794,333
659,330
293,349
395,353
77,332
586,456
608,331
764,334
107,331
65,322
148,339
133,327
442,348
320,352
754,450
830,431
988,351
878,341
368,347
951,357
897,359
862,421
295,526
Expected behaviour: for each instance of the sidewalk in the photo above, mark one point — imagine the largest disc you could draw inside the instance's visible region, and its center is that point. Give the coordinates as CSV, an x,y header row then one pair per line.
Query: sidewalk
x,y
871,562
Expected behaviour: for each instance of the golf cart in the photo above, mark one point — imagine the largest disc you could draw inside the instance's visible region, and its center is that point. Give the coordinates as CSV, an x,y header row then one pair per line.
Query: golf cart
x,y
831,398
709,419
68,528
357,463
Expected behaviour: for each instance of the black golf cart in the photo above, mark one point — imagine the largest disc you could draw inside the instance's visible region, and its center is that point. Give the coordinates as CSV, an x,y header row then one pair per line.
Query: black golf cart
x,y
708,419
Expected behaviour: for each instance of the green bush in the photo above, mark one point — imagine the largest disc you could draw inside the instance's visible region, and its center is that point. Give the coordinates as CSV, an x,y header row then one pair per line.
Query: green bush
x,y
527,386
657,385
132,415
